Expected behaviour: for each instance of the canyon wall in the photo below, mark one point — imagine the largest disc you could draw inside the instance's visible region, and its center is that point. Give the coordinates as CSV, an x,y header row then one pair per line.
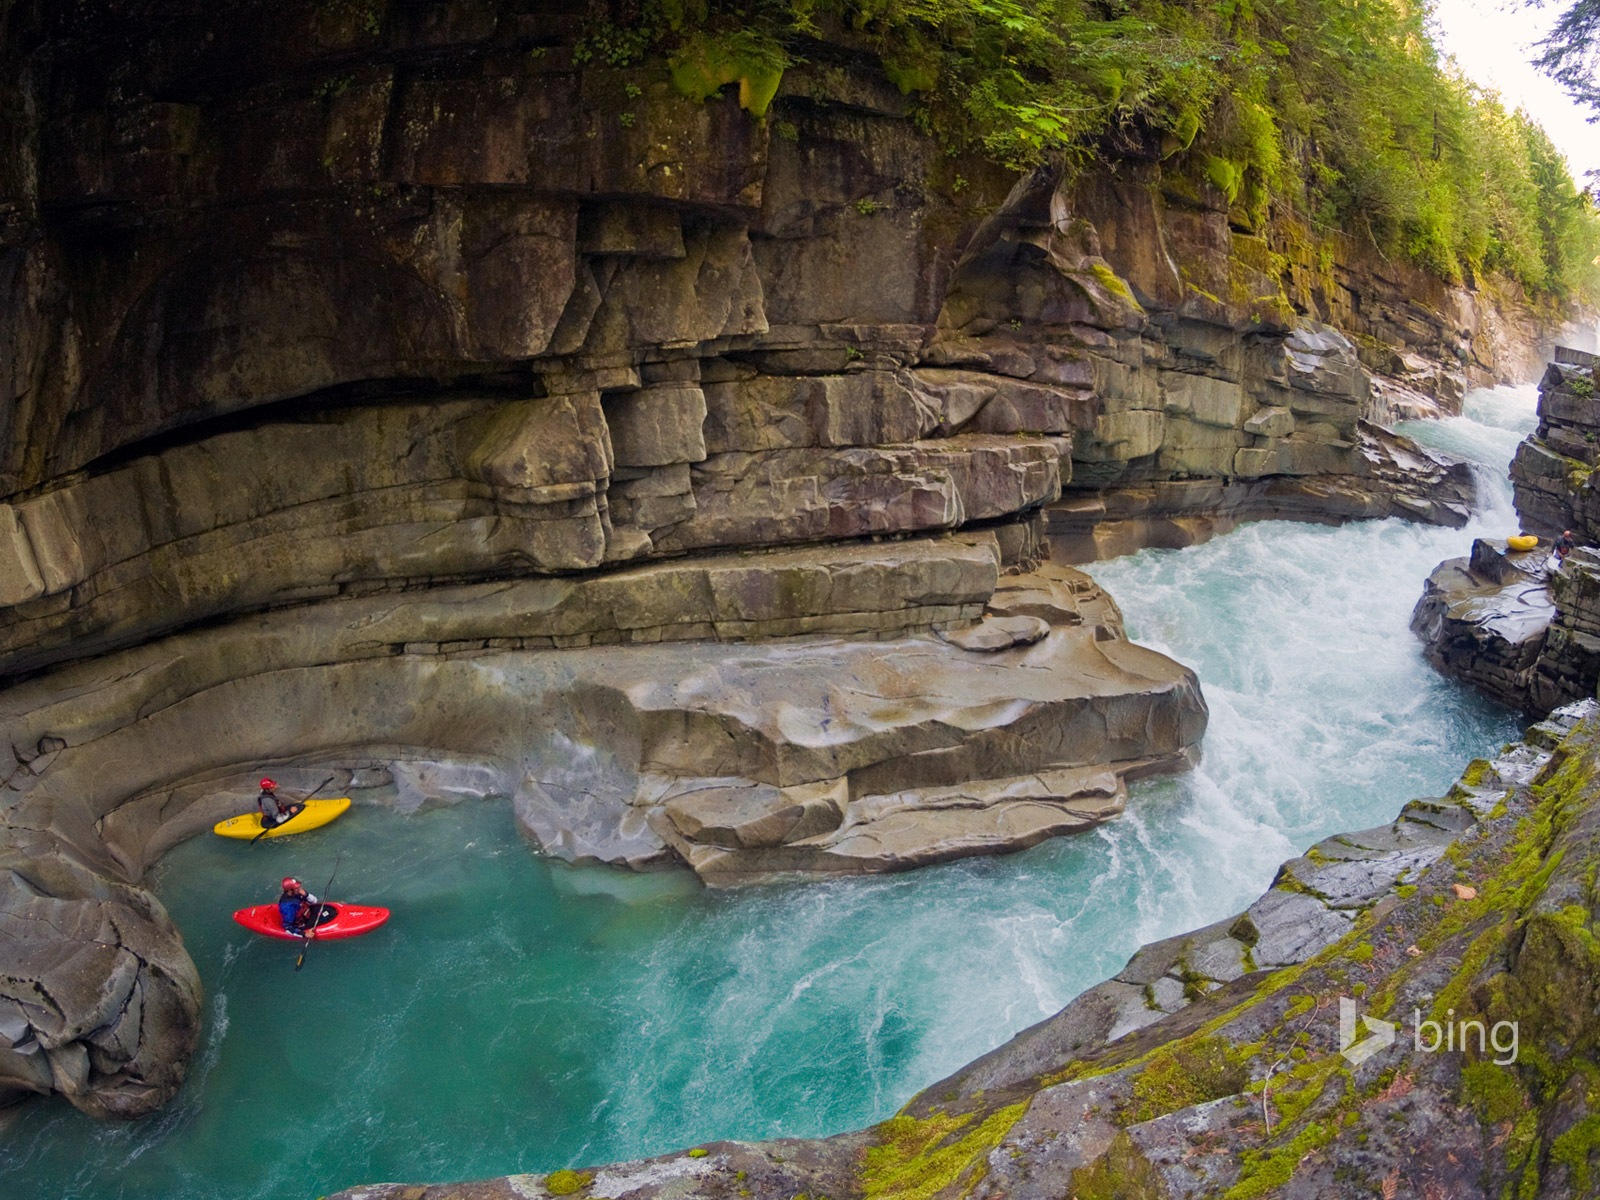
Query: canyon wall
x,y
1524,625
380,383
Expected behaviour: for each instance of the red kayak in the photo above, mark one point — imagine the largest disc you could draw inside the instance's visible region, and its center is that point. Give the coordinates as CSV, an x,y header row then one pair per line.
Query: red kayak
x,y
338,921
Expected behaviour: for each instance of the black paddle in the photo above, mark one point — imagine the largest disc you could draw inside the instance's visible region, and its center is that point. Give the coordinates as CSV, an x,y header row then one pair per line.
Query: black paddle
x,y
317,916
303,799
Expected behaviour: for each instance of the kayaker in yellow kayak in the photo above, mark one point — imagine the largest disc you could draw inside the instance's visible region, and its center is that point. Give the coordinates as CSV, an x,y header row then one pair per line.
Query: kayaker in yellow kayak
x,y
275,809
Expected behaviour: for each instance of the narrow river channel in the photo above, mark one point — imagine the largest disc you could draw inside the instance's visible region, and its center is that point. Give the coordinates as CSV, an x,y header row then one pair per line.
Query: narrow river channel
x,y
521,1015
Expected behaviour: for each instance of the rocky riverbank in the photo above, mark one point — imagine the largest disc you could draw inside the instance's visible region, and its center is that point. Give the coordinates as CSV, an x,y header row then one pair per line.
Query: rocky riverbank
x,y
420,398
1250,1057
1521,625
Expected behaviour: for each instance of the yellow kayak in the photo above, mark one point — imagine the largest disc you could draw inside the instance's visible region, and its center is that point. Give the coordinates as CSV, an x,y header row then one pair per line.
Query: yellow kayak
x,y
316,814
1522,541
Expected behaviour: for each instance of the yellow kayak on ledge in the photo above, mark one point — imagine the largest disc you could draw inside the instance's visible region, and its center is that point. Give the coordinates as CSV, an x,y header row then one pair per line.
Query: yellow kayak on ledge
x,y
316,814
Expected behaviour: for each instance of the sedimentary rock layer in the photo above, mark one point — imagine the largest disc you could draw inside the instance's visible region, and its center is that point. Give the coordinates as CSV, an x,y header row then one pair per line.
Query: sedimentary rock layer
x,y
1551,474
1524,626
445,299
362,367
605,710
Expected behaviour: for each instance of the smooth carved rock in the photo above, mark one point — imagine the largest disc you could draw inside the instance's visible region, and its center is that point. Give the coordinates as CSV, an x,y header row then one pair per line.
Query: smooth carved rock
x,y
742,815
1056,595
998,633
901,830
874,589
915,714
830,756
925,803
99,1001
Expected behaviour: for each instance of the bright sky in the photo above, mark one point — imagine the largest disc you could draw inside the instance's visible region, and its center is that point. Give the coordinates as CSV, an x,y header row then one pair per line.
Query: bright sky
x,y
1492,40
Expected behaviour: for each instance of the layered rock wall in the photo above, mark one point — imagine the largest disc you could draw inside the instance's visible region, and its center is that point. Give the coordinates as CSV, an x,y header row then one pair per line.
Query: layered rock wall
x,y
1551,474
375,376
330,282
1524,626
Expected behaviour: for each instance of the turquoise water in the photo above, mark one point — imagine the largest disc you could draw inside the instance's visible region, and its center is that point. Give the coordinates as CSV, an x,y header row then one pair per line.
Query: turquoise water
x,y
518,1014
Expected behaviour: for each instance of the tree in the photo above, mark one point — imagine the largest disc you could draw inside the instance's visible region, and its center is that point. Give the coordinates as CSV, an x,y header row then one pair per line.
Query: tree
x,y
1570,53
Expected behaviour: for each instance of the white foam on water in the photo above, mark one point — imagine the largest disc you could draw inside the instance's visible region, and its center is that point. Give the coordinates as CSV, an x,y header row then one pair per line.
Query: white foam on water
x,y
522,1015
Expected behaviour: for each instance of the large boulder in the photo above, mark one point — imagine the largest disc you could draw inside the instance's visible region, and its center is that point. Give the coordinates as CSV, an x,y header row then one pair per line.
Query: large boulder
x,y
99,1001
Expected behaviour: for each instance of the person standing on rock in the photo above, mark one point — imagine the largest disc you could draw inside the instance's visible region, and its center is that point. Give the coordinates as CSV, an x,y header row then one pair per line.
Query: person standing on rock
x,y
275,809
297,908
1564,545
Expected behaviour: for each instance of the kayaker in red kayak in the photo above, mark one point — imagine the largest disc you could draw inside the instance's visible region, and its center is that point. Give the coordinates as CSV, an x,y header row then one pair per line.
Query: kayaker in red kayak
x,y
296,906
275,809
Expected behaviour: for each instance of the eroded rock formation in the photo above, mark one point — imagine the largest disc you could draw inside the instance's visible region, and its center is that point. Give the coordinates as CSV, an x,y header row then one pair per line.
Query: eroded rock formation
x,y
377,384
1299,1049
1523,626
1551,475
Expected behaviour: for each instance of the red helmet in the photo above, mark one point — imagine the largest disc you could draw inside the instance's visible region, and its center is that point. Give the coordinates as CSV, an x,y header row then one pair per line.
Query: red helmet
x,y
267,785
290,883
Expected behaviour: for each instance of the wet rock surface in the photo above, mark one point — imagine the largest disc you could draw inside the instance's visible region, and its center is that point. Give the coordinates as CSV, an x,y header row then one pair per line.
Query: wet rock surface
x,y
796,756
1295,1049
364,363
99,1001
624,729
1524,626
1485,618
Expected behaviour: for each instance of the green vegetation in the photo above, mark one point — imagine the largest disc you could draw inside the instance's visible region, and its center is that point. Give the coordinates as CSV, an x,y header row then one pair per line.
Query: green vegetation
x,y
1189,1073
1338,112
1262,1171
1121,1173
916,1159
1568,52
564,1183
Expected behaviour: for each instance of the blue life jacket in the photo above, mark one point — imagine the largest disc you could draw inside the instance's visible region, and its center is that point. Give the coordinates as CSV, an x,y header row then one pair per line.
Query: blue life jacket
x,y
289,910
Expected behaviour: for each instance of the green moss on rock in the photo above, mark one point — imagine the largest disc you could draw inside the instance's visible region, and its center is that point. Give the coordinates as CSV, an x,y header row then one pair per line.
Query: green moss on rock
x,y
566,1182
1122,1173
1189,1073
916,1158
